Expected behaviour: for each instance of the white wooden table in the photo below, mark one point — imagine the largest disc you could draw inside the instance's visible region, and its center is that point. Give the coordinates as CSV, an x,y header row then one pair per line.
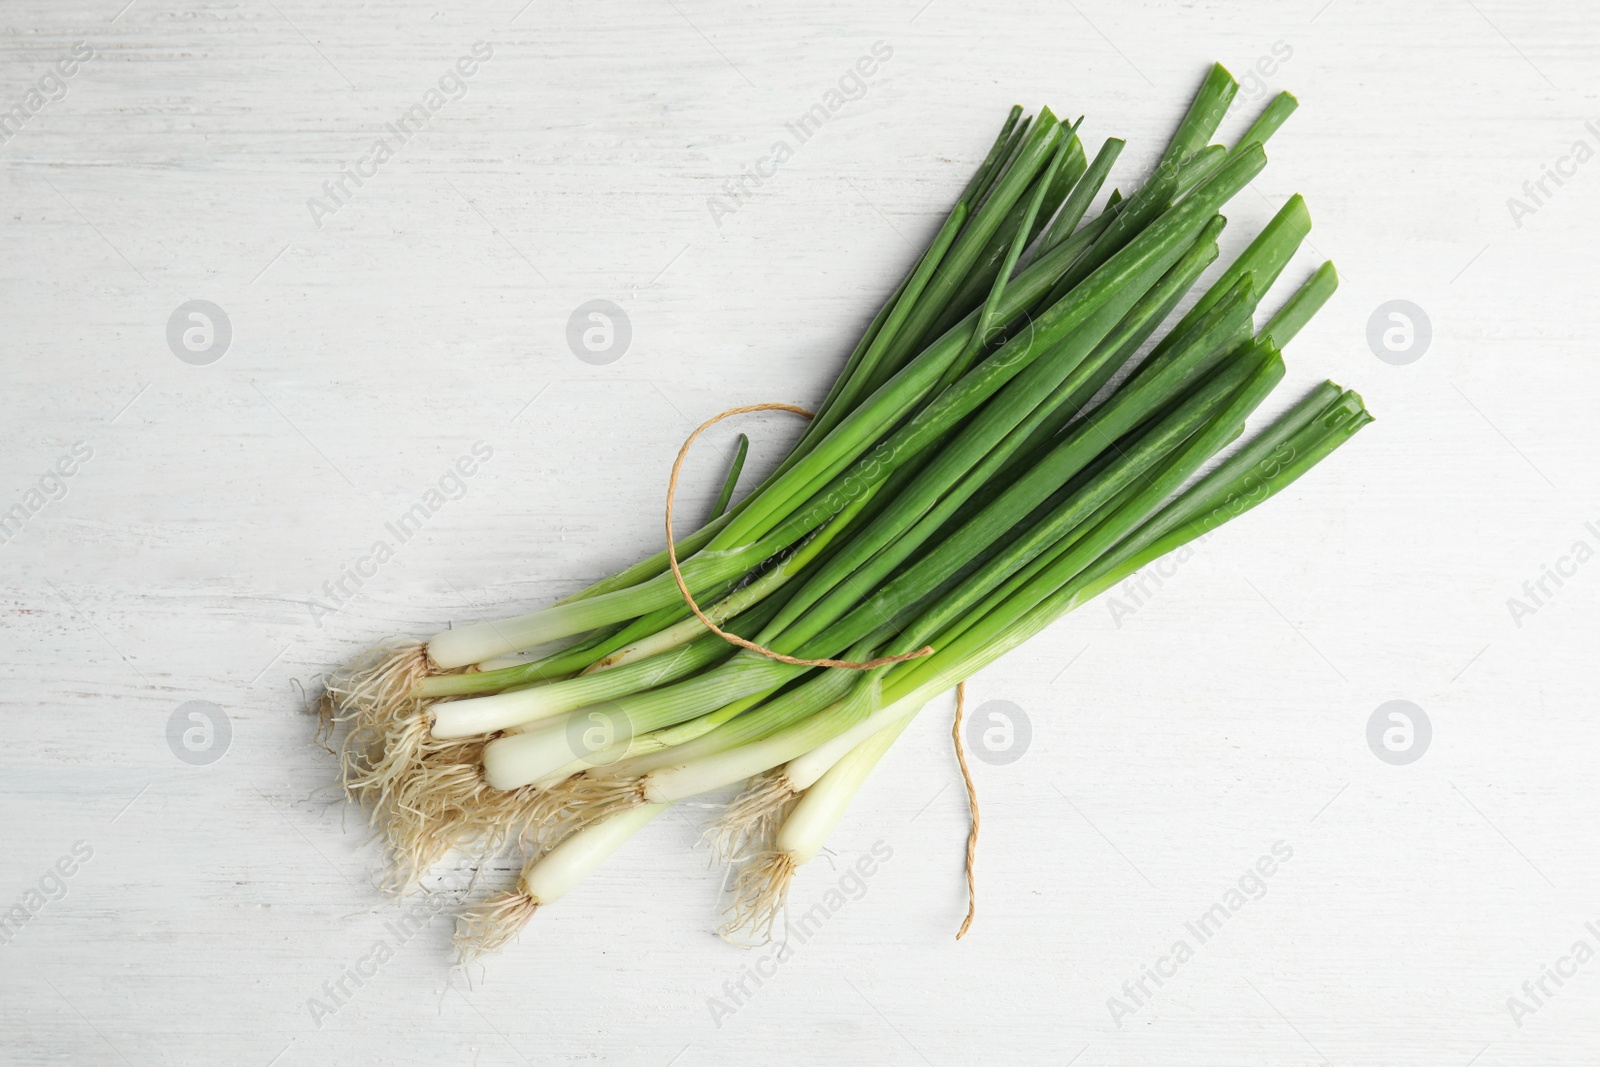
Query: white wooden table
x,y
209,503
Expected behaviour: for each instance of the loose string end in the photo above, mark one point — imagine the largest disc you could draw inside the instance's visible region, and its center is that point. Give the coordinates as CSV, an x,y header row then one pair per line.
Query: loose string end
x,y
972,805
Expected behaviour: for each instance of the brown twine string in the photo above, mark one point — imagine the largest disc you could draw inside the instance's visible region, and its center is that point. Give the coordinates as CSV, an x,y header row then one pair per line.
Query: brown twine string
x,y
677,574
972,803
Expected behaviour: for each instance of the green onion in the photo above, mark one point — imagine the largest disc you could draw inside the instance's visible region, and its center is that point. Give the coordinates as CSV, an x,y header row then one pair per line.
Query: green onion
x,y
992,455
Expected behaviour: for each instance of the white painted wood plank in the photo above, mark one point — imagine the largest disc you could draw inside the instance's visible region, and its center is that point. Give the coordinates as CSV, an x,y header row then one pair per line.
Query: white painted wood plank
x,y
1224,715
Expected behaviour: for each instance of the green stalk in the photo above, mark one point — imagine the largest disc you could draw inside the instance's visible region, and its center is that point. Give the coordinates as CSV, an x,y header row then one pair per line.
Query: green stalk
x,y
1276,114
1019,239
1083,193
1264,259
1204,115
732,480
1200,166
1008,157
1306,302
981,177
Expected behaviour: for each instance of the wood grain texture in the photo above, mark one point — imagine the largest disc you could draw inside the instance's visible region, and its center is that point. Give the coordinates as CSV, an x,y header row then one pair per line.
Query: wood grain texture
x,y
1171,748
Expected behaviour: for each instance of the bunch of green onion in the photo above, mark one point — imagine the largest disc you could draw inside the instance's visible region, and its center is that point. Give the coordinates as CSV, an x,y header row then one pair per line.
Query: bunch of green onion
x,y
993,455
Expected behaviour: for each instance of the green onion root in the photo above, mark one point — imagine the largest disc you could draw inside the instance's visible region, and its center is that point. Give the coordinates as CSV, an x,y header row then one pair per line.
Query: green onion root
x,y
495,921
